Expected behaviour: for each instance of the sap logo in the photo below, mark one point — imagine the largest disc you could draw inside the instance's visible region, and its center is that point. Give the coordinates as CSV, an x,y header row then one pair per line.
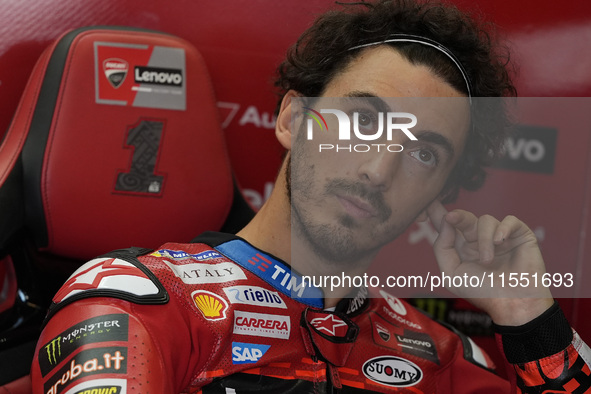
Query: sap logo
x,y
531,149
253,295
247,353
392,371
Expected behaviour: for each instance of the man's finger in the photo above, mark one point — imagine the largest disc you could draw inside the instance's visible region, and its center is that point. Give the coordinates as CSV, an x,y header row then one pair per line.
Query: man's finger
x,y
487,227
436,211
465,222
510,227
444,248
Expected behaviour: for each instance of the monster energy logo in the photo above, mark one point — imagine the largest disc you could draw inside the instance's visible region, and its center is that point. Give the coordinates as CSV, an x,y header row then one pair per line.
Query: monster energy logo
x,y
51,348
112,327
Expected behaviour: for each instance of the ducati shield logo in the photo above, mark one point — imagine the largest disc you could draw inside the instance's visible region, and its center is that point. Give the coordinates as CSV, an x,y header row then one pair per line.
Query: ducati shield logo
x,y
383,332
392,371
115,71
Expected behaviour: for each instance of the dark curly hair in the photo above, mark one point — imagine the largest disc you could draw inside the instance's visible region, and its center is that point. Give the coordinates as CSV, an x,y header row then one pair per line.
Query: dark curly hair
x,y
323,51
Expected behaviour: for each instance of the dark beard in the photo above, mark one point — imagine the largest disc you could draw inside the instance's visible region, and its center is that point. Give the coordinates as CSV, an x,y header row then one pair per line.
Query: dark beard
x,y
331,242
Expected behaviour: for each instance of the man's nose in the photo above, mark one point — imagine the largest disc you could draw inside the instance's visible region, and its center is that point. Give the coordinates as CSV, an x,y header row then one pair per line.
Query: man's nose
x,y
378,169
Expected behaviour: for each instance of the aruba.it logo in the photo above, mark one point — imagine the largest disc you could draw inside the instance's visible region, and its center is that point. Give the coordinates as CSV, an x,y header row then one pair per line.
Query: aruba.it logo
x,y
387,123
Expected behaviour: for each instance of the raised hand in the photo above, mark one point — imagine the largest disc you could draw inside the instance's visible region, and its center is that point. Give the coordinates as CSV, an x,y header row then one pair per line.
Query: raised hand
x,y
504,255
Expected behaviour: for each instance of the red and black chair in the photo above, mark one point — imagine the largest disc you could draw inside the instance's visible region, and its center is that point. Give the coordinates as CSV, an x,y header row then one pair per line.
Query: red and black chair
x,y
116,143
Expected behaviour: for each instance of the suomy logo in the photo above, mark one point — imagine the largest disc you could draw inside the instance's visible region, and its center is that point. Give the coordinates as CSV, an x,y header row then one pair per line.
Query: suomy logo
x,y
392,371
386,122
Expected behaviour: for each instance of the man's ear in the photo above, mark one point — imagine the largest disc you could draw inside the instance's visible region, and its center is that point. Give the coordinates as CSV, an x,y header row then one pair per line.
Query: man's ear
x,y
283,125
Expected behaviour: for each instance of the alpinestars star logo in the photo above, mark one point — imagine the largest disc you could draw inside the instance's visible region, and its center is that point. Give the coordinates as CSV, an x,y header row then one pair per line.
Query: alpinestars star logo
x,y
330,325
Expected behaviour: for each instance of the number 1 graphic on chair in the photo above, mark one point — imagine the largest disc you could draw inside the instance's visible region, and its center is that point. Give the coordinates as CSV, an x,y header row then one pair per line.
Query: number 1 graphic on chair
x,y
144,139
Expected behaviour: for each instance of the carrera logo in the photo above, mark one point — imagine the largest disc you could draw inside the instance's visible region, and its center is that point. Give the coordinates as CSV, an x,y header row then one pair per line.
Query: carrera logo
x,y
115,70
261,325
253,295
330,325
211,306
247,353
392,371
200,273
158,76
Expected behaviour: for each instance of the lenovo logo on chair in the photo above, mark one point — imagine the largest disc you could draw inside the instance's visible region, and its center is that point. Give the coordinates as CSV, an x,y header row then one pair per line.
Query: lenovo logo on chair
x,y
158,75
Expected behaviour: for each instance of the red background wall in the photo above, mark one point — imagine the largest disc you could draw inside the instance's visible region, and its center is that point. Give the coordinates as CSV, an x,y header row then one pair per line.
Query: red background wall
x,y
244,40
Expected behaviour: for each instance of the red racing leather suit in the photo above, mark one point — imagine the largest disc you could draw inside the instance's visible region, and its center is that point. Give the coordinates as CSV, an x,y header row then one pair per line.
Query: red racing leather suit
x,y
220,316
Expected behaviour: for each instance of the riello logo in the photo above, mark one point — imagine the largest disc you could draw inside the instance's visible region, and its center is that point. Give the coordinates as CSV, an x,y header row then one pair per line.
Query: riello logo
x,y
388,123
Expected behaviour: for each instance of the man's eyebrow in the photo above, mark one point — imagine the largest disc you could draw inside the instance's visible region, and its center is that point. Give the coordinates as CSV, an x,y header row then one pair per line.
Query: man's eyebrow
x,y
437,139
371,99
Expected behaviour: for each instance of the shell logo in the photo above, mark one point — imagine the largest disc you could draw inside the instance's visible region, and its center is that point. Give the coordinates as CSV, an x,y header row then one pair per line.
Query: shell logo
x,y
211,305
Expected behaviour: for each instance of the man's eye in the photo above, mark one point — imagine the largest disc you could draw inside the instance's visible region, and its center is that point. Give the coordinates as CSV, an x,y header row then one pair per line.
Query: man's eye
x,y
425,156
364,120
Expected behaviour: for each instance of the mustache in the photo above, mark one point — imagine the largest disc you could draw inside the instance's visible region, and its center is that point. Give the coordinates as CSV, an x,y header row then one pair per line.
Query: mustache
x,y
373,197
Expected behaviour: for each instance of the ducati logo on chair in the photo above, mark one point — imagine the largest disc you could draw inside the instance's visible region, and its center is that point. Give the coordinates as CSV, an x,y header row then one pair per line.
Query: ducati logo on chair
x,y
115,71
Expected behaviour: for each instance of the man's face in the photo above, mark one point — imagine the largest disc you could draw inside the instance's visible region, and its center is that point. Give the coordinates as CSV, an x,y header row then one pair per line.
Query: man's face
x,y
348,205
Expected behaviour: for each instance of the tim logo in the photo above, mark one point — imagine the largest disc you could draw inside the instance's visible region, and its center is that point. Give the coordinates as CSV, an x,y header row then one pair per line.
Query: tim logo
x,y
530,149
115,70
260,262
366,127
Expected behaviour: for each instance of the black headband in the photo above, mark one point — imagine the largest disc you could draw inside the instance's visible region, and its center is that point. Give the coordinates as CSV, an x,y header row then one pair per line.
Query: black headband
x,y
428,42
